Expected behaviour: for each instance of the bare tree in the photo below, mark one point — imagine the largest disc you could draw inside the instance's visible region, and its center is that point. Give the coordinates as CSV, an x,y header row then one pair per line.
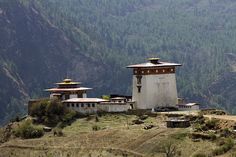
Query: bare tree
x,y
170,149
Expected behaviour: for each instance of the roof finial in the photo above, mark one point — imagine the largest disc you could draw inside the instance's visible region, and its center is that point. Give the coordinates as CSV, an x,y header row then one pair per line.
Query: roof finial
x,y
154,60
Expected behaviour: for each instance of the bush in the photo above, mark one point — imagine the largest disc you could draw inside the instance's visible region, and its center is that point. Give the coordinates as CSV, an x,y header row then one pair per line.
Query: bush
x,y
96,128
96,119
199,155
211,124
170,149
226,132
69,116
204,136
58,132
28,130
143,117
52,112
228,144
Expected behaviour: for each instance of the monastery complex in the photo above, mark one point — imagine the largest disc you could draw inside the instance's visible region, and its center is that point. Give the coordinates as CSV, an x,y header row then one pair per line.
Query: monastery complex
x,y
153,87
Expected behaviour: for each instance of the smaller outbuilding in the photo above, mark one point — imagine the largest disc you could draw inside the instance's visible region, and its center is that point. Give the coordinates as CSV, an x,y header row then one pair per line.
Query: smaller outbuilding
x,y
188,107
177,123
116,104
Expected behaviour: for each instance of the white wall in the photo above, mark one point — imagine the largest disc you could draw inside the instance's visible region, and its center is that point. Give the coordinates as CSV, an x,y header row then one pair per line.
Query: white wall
x,y
84,95
85,109
189,108
156,90
73,96
113,107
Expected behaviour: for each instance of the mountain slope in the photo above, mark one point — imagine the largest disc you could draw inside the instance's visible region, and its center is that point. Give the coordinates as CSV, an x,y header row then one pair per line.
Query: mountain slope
x,y
34,54
44,41
198,34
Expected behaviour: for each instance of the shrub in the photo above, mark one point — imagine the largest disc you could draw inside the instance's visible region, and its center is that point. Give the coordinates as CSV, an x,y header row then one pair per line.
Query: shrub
x,y
58,132
199,155
199,127
51,112
211,124
204,136
226,132
96,119
143,117
228,144
69,116
38,109
170,149
28,130
200,119
96,128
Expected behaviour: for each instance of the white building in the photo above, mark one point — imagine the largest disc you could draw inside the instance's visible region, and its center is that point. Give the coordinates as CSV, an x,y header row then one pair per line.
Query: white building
x,y
154,84
75,97
117,104
67,89
94,105
84,105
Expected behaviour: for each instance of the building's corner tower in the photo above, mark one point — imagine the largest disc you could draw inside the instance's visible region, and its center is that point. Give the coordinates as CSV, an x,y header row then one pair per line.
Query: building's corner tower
x,y
154,84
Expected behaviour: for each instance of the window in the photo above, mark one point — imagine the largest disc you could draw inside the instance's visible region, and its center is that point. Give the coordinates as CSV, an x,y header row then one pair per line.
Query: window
x,y
88,105
77,105
139,89
67,96
139,79
73,105
68,105
82,105
93,105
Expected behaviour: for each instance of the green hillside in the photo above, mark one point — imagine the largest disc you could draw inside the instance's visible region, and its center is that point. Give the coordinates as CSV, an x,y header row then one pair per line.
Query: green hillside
x,y
199,35
92,41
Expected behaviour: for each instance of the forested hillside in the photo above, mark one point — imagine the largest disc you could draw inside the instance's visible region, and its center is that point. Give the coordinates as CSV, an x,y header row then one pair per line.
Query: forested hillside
x,y
44,41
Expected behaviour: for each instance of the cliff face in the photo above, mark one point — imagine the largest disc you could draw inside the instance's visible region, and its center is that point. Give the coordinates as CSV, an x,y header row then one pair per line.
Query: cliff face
x,y
34,54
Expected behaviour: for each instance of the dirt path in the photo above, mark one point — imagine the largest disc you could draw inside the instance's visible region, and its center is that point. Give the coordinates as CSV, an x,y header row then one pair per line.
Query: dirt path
x,y
110,149
223,117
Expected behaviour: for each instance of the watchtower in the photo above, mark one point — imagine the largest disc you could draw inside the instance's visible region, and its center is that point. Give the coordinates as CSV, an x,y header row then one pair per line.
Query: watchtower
x,y
154,84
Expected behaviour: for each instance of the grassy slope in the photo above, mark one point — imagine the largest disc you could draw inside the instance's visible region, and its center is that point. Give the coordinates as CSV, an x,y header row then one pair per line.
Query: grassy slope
x,y
115,138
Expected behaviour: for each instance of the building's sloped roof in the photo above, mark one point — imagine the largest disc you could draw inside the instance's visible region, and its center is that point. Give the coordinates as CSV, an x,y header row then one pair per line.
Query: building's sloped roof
x,y
188,104
67,89
118,98
85,100
150,65
68,82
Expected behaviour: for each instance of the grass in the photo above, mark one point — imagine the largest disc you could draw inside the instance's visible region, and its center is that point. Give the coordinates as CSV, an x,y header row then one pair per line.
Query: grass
x,y
116,137
108,121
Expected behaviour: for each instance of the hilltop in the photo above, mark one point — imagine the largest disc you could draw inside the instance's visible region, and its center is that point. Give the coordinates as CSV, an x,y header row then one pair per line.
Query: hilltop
x,y
119,135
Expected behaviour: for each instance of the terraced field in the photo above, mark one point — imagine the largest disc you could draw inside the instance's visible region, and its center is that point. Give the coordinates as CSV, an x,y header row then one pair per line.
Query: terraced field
x,y
116,136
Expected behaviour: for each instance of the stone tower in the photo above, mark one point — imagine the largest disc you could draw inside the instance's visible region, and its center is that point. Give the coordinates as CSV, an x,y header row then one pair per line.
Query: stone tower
x,y
154,84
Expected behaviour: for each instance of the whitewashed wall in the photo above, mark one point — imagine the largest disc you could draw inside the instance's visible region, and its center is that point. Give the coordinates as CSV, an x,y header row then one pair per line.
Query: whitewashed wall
x,y
157,90
113,107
